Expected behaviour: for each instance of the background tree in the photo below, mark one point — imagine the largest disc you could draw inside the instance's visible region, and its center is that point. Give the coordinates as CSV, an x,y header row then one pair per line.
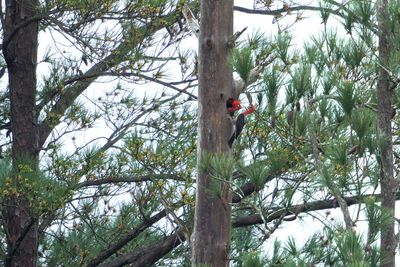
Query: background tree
x,y
388,183
40,115
20,45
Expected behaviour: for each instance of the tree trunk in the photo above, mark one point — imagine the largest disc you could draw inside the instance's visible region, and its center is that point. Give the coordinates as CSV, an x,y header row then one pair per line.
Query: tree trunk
x,y
212,223
387,181
20,52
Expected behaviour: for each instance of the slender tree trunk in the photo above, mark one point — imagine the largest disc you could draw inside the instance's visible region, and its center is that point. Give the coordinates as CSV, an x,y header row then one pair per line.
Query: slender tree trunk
x,y
212,224
387,181
20,52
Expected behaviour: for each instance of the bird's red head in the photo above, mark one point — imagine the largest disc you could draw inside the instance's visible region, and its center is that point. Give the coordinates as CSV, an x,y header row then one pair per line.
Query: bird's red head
x,y
233,105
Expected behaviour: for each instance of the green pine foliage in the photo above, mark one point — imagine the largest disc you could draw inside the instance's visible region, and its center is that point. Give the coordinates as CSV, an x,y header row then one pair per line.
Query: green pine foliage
x,y
123,151
334,247
242,62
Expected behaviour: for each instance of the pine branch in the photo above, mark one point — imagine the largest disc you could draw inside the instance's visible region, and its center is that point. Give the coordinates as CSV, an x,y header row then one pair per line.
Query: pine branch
x,y
113,248
303,208
285,9
71,93
128,179
148,255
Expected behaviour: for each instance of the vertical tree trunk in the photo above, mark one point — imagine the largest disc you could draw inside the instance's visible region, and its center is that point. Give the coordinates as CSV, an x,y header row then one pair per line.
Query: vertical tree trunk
x,y
387,181
20,52
212,224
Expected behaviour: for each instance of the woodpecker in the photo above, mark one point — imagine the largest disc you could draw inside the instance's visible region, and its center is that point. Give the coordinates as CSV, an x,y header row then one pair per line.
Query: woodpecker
x,y
232,106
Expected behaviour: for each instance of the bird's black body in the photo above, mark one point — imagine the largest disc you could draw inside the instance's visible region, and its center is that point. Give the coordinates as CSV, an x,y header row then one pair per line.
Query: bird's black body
x,y
240,122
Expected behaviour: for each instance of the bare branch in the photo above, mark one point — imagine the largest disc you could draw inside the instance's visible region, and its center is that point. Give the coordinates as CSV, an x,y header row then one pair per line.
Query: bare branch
x,y
130,179
169,85
302,208
285,10
336,11
191,20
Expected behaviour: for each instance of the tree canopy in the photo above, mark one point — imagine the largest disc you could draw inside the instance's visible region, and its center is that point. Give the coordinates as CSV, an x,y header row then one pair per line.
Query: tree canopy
x,y
111,178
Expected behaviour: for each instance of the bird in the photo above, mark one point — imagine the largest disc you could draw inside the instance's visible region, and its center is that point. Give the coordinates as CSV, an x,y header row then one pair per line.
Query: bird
x,y
232,106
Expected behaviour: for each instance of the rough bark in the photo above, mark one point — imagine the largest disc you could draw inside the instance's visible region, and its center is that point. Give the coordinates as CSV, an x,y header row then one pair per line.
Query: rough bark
x,y
212,223
387,181
20,52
